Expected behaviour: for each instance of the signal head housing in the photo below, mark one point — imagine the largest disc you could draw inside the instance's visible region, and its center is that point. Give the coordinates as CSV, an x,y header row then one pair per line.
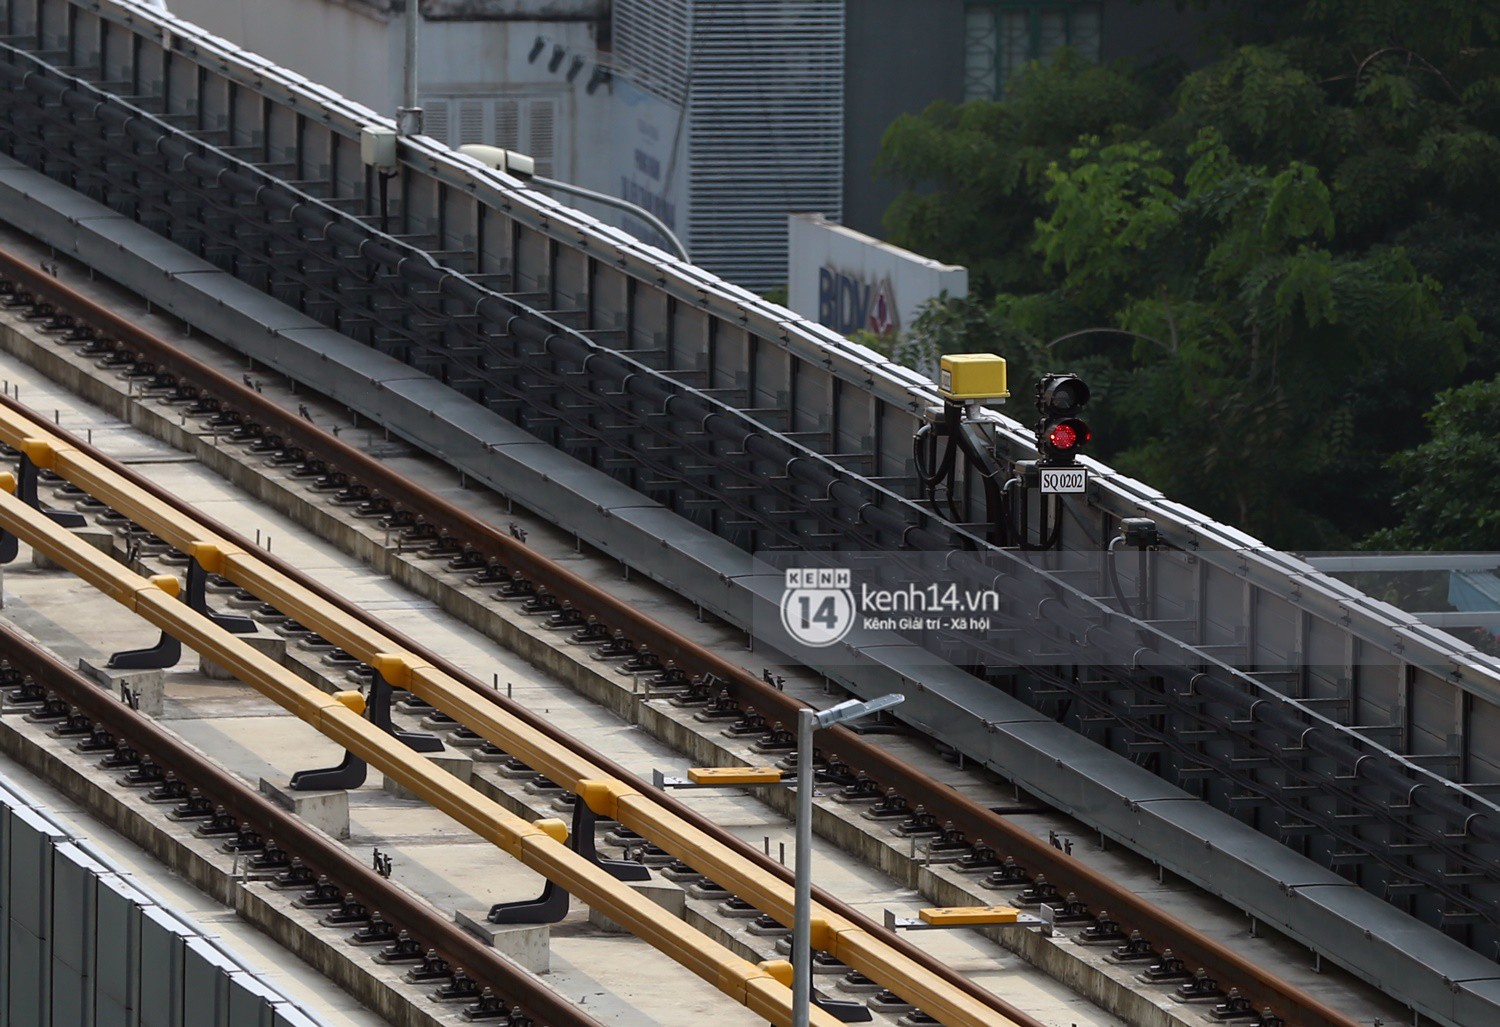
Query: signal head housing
x,y
1061,433
1061,395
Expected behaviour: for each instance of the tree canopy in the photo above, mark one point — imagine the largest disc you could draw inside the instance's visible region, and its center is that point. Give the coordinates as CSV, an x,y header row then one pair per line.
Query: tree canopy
x,y
1268,267
1450,497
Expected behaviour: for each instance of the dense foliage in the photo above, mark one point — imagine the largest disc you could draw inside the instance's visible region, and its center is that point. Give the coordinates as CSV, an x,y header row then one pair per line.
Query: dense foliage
x,y
1451,483
1268,267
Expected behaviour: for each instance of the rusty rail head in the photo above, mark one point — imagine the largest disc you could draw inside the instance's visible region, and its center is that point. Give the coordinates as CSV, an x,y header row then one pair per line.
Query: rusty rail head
x,y
1098,891
317,851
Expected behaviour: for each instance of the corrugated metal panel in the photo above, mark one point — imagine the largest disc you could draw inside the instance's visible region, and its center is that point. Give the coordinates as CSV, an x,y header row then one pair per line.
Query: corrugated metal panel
x,y
82,946
289,1016
251,1003
766,130
75,878
160,970
652,39
26,979
762,82
27,866
206,977
116,931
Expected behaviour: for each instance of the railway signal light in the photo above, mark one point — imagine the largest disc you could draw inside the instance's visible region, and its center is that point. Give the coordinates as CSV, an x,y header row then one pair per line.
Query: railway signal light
x,y
1061,433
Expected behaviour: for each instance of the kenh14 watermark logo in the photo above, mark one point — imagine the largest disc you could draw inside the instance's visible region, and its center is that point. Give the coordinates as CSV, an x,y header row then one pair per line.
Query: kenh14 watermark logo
x,y
820,606
817,608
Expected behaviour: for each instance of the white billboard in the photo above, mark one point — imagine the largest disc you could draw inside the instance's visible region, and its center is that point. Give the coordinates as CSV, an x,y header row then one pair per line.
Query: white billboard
x,y
849,281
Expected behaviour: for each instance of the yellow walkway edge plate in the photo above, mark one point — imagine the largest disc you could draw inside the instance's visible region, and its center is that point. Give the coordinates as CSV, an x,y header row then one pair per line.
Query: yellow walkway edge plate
x,y
957,916
734,775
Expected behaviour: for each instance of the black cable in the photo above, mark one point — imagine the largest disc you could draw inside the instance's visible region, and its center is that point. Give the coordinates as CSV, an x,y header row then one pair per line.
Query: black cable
x,y
1114,577
977,453
943,475
1055,523
1050,531
921,442
930,480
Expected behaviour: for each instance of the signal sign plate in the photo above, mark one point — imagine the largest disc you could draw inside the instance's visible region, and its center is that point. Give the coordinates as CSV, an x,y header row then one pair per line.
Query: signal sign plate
x,y
1064,479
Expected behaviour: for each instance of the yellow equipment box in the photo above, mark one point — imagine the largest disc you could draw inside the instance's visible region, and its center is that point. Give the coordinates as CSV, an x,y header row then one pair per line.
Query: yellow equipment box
x,y
970,377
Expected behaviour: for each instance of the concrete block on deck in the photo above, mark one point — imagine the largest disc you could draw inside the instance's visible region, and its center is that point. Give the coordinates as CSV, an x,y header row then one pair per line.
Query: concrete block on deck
x,y
665,894
265,642
101,539
457,764
530,945
327,811
148,686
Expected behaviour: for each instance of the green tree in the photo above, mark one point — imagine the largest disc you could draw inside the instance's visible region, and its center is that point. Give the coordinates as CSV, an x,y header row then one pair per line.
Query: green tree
x,y
1249,329
1267,267
1450,484
976,173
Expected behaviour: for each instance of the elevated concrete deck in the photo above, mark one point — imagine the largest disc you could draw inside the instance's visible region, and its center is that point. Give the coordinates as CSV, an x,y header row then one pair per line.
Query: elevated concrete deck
x,y
218,718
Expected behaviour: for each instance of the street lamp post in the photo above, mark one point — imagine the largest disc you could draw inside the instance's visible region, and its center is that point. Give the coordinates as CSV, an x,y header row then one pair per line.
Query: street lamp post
x,y
808,721
668,236
409,114
524,167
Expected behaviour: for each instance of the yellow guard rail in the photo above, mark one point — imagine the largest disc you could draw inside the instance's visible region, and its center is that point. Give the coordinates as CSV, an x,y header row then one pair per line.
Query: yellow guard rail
x,y
604,794
540,845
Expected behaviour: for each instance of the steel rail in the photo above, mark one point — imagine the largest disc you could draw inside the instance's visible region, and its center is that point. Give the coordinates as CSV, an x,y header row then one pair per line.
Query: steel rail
x,y
317,851
538,845
975,820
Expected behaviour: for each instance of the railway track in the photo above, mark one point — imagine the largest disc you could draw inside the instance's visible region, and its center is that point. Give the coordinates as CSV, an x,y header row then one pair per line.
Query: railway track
x,y
538,845
852,763
324,874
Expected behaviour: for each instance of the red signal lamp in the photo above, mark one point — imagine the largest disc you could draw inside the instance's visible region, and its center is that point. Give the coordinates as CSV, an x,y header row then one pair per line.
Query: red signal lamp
x,y
1065,437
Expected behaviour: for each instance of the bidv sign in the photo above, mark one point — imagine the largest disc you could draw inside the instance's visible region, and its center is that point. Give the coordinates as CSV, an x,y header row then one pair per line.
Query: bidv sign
x,y
848,304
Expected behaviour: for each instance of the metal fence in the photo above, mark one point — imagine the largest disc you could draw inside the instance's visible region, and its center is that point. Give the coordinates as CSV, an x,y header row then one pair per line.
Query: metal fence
x,y
84,944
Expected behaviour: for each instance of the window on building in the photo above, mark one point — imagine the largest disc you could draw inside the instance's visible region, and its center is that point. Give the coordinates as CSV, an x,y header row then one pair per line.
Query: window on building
x,y
1001,36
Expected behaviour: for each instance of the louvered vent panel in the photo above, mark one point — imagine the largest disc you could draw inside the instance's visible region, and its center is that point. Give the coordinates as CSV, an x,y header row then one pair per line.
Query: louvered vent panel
x,y
651,39
435,119
524,123
542,114
508,124
767,129
471,121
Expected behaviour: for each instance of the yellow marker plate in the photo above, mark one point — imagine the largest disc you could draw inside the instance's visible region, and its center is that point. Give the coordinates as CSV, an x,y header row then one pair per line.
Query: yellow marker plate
x,y
954,916
734,775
